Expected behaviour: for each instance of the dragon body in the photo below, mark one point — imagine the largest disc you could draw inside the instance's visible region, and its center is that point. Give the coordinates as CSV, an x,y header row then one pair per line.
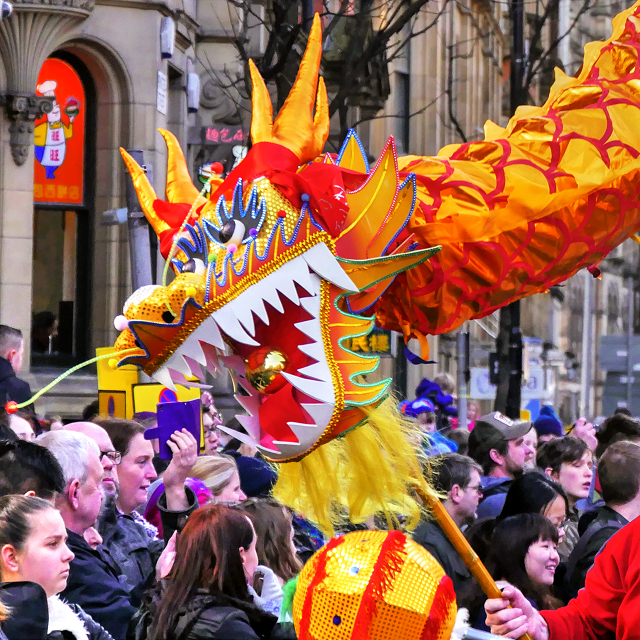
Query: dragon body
x,y
298,251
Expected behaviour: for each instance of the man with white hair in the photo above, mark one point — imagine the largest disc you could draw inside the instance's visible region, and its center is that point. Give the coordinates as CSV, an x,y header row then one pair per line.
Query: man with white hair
x,y
92,584
109,457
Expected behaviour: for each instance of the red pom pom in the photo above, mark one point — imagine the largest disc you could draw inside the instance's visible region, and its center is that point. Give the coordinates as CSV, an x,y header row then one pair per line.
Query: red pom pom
x,y
216,167
11,406
282,214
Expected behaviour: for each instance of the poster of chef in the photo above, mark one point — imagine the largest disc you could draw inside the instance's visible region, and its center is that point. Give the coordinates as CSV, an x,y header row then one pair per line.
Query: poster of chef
x,y
59,136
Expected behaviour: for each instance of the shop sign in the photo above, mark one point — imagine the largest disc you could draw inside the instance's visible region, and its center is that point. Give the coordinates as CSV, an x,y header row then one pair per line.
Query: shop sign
x,y
59,137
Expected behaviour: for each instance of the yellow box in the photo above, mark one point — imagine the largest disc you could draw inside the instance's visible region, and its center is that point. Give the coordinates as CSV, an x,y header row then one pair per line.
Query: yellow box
x,y
147,396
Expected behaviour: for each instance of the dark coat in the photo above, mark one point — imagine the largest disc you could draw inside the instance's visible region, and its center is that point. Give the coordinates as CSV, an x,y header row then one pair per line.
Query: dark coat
x,y
207,617
30,615
603,526
11,387
435,541
94,586
130,551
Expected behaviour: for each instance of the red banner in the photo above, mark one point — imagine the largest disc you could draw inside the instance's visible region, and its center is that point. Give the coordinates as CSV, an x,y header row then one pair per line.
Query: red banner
x,y
59,136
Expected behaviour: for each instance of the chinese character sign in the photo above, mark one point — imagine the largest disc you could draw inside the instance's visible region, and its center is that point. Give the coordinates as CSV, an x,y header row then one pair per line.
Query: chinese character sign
x,y
59,136
377,342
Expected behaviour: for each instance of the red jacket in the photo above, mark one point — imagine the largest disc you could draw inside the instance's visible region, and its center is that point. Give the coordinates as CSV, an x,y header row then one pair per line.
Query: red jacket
x,y
609,605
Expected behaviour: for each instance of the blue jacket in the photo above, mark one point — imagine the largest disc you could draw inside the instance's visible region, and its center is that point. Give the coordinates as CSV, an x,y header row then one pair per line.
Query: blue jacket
x,y
494,491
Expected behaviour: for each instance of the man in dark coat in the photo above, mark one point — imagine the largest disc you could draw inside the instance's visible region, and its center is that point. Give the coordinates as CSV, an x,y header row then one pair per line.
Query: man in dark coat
x,y
11,352
457,479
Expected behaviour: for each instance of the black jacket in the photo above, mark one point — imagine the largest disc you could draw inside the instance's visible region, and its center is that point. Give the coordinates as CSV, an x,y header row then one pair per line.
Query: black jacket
x,y
94,586
130,550
603,526
11,387
435,541
32,614
207,617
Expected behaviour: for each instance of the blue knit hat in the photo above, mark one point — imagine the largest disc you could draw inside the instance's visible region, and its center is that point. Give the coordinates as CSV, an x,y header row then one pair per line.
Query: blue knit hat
x,y
548,423
257,476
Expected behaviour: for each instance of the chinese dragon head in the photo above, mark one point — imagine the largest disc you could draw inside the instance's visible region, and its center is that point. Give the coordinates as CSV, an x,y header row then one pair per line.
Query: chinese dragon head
x,y
298,251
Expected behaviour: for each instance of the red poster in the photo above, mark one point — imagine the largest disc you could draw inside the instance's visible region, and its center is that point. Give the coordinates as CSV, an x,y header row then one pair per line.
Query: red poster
x,y
59,136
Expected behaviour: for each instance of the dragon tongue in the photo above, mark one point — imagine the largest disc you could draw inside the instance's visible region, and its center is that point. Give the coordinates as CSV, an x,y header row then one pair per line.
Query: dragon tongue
x,y
278,409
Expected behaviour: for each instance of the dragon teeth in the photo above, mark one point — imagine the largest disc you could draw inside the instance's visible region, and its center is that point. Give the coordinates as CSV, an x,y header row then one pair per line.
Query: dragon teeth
x,y
310,328
318,390
320,412
314,350
163,376
311,305
178,378
251,424
318,370
324,263
228,322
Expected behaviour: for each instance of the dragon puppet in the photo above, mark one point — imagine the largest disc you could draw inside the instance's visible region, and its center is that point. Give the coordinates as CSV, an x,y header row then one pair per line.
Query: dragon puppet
x,y
298,251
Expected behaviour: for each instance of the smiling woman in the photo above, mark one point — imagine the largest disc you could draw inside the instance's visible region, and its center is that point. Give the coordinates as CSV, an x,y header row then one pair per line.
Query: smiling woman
x,y
524,552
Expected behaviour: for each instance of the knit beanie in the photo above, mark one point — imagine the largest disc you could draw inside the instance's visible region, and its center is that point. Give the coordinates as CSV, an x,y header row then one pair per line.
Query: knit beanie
x,y
257,476
548,423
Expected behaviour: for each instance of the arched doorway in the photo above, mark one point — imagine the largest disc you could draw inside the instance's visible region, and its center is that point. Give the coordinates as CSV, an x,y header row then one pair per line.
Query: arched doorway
x,y
64,195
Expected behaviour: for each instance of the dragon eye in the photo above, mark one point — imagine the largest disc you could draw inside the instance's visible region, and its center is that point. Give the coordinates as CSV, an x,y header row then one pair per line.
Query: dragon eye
x,y
194,265
232,232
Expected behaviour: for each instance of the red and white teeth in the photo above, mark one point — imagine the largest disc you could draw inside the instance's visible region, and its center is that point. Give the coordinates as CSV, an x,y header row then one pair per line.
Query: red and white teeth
x,y
205,348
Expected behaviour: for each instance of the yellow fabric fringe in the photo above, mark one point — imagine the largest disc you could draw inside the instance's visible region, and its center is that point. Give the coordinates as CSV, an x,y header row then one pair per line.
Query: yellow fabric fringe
x,y
366,472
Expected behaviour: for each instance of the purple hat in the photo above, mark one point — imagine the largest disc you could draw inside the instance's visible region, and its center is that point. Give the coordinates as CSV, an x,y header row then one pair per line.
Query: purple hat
x,y
413,408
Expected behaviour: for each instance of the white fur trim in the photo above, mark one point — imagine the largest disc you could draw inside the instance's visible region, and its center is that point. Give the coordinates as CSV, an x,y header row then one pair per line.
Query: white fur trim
x,y
62,618
461,626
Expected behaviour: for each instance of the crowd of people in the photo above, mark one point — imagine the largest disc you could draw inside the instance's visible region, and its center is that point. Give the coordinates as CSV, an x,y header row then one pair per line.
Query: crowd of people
x,y
100,538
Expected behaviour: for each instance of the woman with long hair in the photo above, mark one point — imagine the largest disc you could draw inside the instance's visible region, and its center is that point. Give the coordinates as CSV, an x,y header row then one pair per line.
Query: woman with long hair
x,y
33,549
206,594
524,552
273,524
277,554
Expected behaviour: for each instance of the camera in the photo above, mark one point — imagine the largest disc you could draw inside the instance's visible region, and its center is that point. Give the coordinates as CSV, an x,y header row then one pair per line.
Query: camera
x,y
7,10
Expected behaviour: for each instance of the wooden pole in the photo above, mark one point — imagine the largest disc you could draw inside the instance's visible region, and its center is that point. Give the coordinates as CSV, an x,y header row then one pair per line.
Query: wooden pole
x,y
460,543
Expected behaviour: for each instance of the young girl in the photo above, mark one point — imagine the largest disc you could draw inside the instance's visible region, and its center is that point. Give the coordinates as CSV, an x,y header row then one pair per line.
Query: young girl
x,y
33,549
206,595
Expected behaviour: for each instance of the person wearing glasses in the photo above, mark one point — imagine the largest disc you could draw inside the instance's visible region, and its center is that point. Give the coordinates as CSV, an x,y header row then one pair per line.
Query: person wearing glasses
x,y
132,544
211,421
457,479
109,457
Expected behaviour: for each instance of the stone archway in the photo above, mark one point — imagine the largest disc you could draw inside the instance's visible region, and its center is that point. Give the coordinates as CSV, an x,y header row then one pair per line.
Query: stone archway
x,y
114,128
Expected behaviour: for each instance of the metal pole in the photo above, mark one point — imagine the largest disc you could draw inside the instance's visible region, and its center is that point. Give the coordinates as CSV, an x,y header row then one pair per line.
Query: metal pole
x,y
463,390
629,339
139,246
585,370
509,343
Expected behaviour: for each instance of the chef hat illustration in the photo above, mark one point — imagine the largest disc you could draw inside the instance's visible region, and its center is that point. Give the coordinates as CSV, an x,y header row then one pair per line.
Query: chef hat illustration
x,y
47,88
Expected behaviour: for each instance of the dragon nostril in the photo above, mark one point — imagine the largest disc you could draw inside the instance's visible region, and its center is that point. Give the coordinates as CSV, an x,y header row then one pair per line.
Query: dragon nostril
x,y
167,316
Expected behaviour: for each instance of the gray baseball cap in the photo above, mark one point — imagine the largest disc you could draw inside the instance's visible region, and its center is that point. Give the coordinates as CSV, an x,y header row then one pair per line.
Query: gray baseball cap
x,y
510,429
